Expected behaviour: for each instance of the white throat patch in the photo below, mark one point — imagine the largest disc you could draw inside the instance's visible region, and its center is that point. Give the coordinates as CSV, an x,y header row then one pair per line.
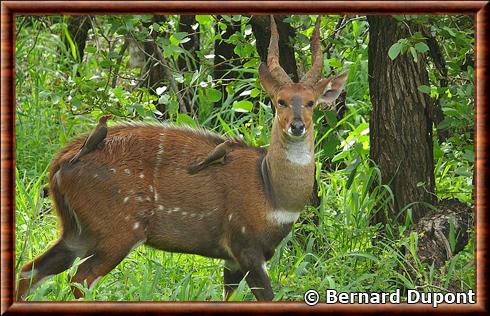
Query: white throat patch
x,y
282,216
299,153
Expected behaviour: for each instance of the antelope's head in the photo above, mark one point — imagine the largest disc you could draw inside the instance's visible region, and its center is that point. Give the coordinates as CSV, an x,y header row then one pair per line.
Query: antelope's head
x,y
294,102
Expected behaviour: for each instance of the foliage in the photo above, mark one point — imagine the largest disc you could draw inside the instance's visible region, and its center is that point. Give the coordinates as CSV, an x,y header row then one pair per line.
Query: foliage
x,y
60,95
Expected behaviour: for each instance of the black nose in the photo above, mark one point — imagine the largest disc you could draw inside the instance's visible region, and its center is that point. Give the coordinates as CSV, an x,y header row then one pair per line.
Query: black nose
x,y
297,127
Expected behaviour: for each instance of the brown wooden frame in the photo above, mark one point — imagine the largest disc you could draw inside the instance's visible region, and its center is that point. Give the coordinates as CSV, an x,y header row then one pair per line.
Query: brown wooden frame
x,y
479,9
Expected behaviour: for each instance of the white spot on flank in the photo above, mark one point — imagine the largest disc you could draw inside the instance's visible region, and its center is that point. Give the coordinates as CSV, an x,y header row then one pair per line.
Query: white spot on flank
x,y
176,209
127,218
156,196
127,172
230,217
142,175
151,188
96,175
136,225
282,216
184,213
160,207
126,199
243,229
300,153
148,199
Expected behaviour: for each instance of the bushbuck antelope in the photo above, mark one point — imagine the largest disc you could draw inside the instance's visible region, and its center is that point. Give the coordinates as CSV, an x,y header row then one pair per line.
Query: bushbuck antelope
x,y
137,189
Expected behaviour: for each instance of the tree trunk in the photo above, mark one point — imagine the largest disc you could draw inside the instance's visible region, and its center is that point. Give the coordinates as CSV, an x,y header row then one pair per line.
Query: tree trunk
x,y
188,64
225,58
192,46
261,27
78,27
400,128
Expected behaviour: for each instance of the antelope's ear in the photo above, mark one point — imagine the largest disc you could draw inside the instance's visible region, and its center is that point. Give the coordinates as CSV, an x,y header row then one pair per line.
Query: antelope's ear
x,y
330,88
267,81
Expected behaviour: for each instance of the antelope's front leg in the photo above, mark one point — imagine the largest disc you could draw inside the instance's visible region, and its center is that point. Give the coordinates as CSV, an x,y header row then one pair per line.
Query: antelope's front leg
x,y
252,263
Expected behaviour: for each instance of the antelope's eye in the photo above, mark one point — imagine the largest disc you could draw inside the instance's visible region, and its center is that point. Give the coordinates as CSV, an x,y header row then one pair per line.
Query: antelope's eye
x,y
281,103
309,104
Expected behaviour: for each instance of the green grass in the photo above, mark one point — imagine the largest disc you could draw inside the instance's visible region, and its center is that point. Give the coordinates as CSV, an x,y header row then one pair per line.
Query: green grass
x,y
337,253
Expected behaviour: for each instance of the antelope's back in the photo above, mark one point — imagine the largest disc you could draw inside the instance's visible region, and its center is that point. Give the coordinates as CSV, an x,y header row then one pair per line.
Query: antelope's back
x,y
140,178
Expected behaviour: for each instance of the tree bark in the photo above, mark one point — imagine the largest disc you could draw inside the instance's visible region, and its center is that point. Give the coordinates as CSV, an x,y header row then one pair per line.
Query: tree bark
x,y
225,58
261,28
400,127
434,231
78,27
192,46
153,69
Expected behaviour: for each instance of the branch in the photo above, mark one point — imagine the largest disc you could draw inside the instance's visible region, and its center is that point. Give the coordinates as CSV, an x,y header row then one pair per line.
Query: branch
x,y
118,62
166,69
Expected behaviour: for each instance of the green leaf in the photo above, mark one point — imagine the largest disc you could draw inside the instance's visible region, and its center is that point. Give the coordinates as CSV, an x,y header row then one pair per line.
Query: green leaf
x,y
73,48
213,95
463,172
90,49
203,19
242,106
172,106
164,99
184,119
352,175
331,118
179,35
424,89
394,50
421,47
414,54
255,92
469,155
330,145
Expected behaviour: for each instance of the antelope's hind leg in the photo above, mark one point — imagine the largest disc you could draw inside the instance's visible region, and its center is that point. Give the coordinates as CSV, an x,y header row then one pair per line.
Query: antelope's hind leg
x,y
55,260
101,259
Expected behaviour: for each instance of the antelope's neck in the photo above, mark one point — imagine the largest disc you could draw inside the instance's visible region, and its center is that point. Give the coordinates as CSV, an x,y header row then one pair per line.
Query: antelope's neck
x,y
290,167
